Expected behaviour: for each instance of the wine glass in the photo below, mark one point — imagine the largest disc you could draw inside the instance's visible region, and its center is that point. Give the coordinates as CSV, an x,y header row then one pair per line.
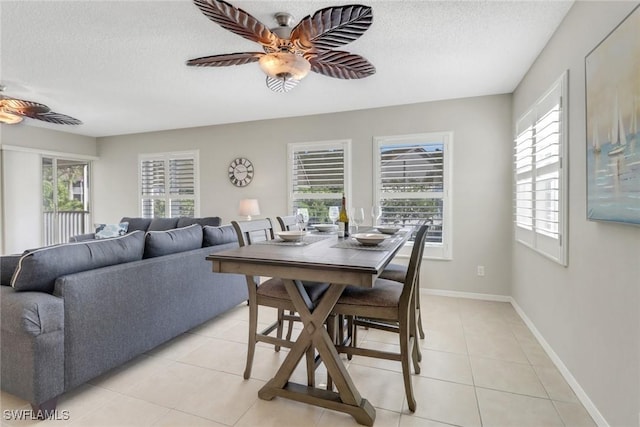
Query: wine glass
x,y
357,216
376,213
334,214
302,218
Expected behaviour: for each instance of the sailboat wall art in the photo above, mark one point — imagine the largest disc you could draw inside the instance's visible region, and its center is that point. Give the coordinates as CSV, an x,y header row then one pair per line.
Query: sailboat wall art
x,y
612,112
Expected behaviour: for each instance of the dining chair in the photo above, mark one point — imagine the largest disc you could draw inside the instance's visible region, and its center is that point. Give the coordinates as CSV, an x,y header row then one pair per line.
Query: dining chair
x,y
388,303
271,293
398,273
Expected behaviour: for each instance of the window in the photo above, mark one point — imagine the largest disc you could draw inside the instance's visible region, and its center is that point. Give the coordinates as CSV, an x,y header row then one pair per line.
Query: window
x,y
540,200
318,176
412,183
169,185
65,198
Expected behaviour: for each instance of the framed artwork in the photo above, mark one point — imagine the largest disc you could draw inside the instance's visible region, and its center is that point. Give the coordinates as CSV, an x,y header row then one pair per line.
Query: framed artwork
x,y
612,77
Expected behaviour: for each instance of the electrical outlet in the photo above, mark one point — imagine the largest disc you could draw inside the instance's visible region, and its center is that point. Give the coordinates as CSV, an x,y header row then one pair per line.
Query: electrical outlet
x,y
481,270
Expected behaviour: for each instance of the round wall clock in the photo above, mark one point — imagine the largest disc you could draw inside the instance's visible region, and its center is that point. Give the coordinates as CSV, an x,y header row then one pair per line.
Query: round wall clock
x,y
240,172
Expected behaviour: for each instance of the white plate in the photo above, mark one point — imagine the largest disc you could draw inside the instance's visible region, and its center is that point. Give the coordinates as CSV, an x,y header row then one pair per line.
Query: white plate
x,y
325,227
291,236
388,229
369,239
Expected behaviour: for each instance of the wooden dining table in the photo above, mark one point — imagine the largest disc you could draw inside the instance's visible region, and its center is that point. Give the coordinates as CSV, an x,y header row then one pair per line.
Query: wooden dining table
x,y
330,259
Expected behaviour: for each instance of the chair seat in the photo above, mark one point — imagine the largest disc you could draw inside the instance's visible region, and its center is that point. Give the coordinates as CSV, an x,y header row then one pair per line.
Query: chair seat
x,y
385,293
274,288
395,272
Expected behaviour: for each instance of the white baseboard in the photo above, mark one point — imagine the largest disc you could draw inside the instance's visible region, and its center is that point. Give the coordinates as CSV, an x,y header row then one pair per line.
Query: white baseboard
x,y
470,295
573,383
564,371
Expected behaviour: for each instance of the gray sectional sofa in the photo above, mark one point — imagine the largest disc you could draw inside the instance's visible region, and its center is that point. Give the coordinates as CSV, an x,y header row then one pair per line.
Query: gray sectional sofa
x,y
74,311
155,224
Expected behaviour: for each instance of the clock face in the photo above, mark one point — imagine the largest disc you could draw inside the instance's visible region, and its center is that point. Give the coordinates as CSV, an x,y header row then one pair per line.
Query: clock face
x,y
240,172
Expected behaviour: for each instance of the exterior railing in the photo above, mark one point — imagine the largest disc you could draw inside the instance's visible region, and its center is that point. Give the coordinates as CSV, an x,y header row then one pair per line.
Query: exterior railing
x,y
60,226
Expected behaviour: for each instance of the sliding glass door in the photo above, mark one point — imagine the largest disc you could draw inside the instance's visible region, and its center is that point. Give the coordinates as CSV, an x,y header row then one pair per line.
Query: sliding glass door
x,y
65,199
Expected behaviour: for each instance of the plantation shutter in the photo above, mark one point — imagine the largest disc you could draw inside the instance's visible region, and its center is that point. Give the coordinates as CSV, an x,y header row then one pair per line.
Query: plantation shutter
x,y
539,199
181,183
317,177
152,185
168,185
408,175
318,172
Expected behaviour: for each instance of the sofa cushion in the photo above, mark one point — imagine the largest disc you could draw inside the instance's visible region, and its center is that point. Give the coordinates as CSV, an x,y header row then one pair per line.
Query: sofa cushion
x,y
141,224
8,265
38,269
162,224
107,231
159,243
213,236
184,221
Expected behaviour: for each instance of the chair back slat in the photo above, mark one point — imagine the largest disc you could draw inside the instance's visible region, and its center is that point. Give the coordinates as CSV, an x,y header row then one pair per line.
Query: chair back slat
x,y
288,223
250,232
415,260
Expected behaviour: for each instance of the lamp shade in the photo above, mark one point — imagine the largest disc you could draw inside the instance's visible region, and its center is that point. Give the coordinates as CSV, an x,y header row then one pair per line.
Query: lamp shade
x,y
284,65
248,207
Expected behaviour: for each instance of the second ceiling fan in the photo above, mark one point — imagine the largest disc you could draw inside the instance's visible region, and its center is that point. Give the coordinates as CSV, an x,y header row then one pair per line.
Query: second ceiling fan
x,y
290,53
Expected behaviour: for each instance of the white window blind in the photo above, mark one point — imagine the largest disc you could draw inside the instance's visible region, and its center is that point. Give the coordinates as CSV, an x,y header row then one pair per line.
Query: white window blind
x,y
168,185
412,185
318,176
540,175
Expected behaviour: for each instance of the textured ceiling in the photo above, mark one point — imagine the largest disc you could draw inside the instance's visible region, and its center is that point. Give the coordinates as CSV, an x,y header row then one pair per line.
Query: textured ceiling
x,y
119,66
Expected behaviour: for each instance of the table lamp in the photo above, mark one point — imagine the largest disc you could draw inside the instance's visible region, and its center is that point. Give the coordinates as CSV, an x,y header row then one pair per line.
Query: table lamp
x,y
248,207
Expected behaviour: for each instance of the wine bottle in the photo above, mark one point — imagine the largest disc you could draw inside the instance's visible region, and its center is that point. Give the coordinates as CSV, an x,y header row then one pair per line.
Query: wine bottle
x,y
344,218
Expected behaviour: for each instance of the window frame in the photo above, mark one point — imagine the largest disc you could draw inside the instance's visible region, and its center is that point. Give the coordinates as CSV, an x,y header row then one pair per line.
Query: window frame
x,y
436,251
293,147
540,241
166,157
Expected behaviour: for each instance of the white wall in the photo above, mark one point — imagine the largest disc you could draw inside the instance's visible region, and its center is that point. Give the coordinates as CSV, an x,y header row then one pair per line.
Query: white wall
x,y
21,183
589,311
481,177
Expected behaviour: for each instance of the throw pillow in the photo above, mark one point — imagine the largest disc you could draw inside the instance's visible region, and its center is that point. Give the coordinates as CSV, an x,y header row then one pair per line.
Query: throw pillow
x,y
183,221
38,269
137,223
163,224
107,231
159,243
214,236
8,264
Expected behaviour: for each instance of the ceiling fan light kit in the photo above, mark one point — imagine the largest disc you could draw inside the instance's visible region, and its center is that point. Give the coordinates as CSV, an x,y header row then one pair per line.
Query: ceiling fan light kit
x,y
284,66
13,111
291,53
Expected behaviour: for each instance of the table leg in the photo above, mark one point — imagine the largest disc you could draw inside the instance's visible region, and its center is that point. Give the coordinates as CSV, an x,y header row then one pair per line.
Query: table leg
x,y
314,334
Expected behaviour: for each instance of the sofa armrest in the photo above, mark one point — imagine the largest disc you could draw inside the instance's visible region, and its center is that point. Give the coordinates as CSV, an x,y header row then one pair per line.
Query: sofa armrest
x,y
31,313
82,237
32,351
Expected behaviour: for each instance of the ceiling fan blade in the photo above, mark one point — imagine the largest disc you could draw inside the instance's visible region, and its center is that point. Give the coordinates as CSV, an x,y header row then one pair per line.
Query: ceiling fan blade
x,y
53,117
332,27
341,65
225,60
21,106
237,21
282,86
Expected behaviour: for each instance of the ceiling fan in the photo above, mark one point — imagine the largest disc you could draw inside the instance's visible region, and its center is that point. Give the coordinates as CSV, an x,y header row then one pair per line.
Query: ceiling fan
x,y
290,53
13,110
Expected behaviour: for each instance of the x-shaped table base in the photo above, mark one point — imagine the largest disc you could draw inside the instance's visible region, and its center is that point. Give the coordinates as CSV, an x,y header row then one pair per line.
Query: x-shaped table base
x,y
314,334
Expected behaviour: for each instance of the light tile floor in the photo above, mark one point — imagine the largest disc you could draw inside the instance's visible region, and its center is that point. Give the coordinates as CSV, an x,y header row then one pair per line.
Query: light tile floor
x,y
481,367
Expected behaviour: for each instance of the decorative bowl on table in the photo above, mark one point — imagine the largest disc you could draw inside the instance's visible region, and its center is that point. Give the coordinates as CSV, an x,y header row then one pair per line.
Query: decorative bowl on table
x,y
388,229
325,227
291,236
370,239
